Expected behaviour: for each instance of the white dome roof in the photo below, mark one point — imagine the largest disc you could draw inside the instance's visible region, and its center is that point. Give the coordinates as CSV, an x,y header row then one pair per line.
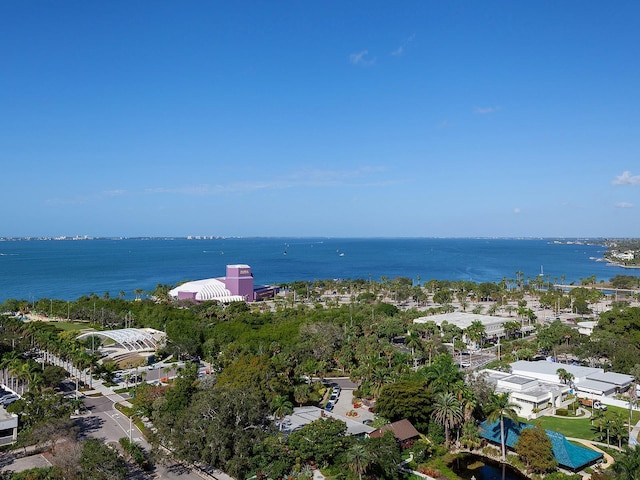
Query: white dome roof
x,y
208,289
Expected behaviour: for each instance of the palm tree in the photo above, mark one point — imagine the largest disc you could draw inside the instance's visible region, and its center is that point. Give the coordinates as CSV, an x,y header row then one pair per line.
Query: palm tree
x,y
447,412
30,374
442,374
627,466
429,346
281,407
564,376
8,359
358,459
500,407
597,415
619,429
476,332
379,377
414,343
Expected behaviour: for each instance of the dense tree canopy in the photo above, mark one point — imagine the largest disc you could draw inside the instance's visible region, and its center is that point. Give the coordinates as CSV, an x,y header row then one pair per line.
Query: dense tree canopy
x,y
265,360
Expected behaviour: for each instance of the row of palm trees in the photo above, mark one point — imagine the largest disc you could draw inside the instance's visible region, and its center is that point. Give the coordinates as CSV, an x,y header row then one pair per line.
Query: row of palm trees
x,y
21,373
18,374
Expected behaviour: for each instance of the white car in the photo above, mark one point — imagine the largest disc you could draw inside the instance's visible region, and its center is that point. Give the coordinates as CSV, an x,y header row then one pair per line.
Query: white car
x,y
9,399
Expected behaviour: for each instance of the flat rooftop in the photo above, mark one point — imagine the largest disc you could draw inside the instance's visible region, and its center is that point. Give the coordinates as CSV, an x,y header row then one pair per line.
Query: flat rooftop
x,y
463,319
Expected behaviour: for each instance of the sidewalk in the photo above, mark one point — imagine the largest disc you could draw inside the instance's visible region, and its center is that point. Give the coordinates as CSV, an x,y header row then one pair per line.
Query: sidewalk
x,y
96,385
635,432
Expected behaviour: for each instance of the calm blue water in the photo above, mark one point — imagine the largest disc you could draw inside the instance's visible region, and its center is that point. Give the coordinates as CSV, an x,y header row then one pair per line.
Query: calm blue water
x,y
67,270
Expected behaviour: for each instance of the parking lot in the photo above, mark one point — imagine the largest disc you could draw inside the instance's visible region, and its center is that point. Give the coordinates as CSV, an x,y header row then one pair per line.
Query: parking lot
x,y
344,401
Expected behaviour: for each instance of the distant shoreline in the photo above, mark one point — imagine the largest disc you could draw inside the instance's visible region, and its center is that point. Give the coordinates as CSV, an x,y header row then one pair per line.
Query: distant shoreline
x,y
63,238
621,265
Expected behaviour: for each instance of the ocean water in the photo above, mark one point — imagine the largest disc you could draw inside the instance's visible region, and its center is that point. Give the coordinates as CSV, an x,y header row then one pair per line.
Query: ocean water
x,y
69,269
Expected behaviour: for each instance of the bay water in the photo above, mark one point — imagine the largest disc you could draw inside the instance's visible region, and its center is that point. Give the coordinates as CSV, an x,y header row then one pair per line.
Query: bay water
x,y
68,269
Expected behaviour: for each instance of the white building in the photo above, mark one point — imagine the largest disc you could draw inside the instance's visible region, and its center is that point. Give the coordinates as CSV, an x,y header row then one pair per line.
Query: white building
x,y
585,379
493,325
530,394
8,427
586,328
302,416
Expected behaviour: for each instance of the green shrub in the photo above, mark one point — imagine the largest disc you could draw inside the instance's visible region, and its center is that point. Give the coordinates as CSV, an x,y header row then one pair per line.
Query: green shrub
x,y
491,452
562,476
135,451
562,412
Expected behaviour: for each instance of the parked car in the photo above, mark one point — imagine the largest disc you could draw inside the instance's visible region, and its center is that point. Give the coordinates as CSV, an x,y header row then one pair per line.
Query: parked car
x,y
329,406
9,399
5,394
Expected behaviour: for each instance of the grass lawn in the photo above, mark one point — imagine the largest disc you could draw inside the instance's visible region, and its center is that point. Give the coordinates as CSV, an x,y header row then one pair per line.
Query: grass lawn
x,y
635,415
581,427
569,427
70,325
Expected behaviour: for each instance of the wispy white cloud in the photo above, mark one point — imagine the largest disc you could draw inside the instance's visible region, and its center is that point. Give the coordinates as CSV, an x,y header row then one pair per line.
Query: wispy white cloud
x,y
362,177
623,205
312,178
485,110
626,179
362,59
403,46
322,176
516,210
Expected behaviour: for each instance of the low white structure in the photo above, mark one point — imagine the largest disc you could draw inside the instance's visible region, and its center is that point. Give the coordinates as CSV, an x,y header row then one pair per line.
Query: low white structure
x,y
585,379
493,325
206,290
530,394
586,328
131,339
302,416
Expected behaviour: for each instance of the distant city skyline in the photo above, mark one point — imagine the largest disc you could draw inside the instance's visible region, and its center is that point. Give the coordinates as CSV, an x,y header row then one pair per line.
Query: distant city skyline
x,y
323,119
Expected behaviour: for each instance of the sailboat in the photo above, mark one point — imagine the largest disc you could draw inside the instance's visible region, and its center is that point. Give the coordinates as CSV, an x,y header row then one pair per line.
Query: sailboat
x,y
541,274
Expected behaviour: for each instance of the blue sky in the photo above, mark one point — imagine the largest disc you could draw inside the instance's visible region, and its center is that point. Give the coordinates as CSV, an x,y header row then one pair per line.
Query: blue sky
x,y
331,118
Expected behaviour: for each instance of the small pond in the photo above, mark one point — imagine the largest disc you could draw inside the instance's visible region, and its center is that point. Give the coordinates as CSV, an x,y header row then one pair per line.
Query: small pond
x,y
470,466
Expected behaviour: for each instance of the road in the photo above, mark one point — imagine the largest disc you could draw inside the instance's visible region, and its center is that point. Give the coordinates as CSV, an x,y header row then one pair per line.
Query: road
x,y
100,419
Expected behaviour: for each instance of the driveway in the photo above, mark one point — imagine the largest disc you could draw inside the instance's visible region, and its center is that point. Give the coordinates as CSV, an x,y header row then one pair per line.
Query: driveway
x,y
9,462
345,400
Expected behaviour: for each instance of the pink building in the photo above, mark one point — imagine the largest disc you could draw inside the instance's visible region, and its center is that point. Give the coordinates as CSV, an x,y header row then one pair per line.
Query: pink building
x,y
239,281
236,286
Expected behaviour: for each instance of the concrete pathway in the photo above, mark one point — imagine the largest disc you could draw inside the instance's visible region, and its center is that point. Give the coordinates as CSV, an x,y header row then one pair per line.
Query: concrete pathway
x,y
635,433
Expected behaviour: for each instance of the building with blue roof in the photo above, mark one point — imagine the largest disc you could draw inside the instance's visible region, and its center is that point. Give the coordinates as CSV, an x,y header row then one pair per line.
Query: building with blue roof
x,y
569,456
